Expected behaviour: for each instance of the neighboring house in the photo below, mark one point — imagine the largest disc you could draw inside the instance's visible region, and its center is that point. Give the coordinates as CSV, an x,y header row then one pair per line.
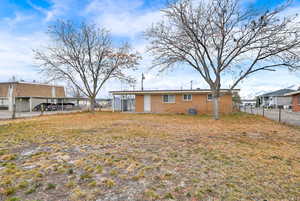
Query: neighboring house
x,y
176,101
248,102
104,102
275,99
28,95
295,100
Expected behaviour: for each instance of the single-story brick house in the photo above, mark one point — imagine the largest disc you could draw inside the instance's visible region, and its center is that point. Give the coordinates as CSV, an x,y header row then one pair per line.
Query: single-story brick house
x,y
175,101
295,100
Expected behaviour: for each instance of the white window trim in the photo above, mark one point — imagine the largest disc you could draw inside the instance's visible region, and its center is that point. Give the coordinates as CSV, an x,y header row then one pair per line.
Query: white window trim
x,y
208,98
168,98
187,99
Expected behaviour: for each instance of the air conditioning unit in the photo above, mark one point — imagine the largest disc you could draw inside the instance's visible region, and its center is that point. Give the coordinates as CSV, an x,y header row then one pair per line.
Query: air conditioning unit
x,y
192,111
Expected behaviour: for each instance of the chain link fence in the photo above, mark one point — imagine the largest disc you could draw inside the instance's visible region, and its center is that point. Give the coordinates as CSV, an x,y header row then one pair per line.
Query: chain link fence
x,y
280,115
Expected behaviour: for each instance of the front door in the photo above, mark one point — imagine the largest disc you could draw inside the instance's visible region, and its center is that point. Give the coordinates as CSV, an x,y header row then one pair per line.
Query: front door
x,y
147,103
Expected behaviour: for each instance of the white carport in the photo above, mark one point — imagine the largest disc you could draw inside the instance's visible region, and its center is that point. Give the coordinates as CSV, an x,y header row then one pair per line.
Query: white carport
x,y
27,104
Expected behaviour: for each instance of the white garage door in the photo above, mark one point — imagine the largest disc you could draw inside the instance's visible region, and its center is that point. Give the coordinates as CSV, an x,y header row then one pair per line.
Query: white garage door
x,y
147,103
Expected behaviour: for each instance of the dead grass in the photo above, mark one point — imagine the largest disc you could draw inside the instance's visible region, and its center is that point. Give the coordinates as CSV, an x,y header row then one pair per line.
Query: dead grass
x,y
113,156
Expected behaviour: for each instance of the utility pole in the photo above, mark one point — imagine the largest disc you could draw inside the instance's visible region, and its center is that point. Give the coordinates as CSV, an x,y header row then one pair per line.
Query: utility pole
x,y
191,84
143,77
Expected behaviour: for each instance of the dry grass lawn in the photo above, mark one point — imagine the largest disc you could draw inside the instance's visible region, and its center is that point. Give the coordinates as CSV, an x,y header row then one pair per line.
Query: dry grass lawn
x,y
113,156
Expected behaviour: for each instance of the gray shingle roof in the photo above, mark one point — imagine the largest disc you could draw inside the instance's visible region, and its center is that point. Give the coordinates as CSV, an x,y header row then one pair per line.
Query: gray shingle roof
x,y
280,92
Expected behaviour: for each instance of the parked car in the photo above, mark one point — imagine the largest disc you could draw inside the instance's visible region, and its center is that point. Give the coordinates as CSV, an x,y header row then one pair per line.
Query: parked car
x,y
66,106
53,106
249,104
40,106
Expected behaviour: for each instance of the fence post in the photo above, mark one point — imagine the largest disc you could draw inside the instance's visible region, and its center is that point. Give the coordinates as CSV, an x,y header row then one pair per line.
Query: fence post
x,y
279,118
251,109
263,112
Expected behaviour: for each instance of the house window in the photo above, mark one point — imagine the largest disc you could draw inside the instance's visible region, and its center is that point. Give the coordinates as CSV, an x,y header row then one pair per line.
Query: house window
x,y
169,98
187,97
209,97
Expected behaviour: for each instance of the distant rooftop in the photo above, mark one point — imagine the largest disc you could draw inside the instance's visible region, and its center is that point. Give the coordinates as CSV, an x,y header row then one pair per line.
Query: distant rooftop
x,y
280,92
36,83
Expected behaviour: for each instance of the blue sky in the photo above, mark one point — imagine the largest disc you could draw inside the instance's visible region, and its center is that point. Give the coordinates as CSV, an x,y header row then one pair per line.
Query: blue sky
x,y
23,24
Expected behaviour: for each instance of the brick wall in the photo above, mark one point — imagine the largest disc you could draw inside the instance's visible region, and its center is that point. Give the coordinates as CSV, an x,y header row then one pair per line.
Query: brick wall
x,y
4,90
33,90
295,103
38,90
199,102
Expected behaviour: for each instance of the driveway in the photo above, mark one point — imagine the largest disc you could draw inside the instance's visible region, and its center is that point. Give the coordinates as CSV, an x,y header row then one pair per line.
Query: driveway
x,y
7,115
287,116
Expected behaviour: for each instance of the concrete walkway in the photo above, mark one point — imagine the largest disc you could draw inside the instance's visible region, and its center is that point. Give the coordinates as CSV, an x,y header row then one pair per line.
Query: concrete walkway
x,y
4,115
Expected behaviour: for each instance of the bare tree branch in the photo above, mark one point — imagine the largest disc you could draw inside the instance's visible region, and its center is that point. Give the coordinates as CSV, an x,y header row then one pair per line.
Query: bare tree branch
x,y
84,56
220,36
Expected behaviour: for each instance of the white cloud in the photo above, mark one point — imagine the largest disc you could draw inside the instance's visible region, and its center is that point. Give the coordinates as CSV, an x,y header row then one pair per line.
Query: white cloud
x,y
128,25
16,55
17,19
122,18
110,5
58,8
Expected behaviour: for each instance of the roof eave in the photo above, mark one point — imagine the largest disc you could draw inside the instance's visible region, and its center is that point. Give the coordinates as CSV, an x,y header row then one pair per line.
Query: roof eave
x,y
32,83
292,93
169,92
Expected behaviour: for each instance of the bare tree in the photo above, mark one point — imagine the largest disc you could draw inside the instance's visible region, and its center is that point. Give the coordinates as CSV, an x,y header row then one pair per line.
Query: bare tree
x,y
218,37
13,79
84,56
73,91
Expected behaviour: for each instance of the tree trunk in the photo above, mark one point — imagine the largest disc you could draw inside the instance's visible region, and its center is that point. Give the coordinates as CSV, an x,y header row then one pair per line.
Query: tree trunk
x,y
215,100
92,105
14,111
